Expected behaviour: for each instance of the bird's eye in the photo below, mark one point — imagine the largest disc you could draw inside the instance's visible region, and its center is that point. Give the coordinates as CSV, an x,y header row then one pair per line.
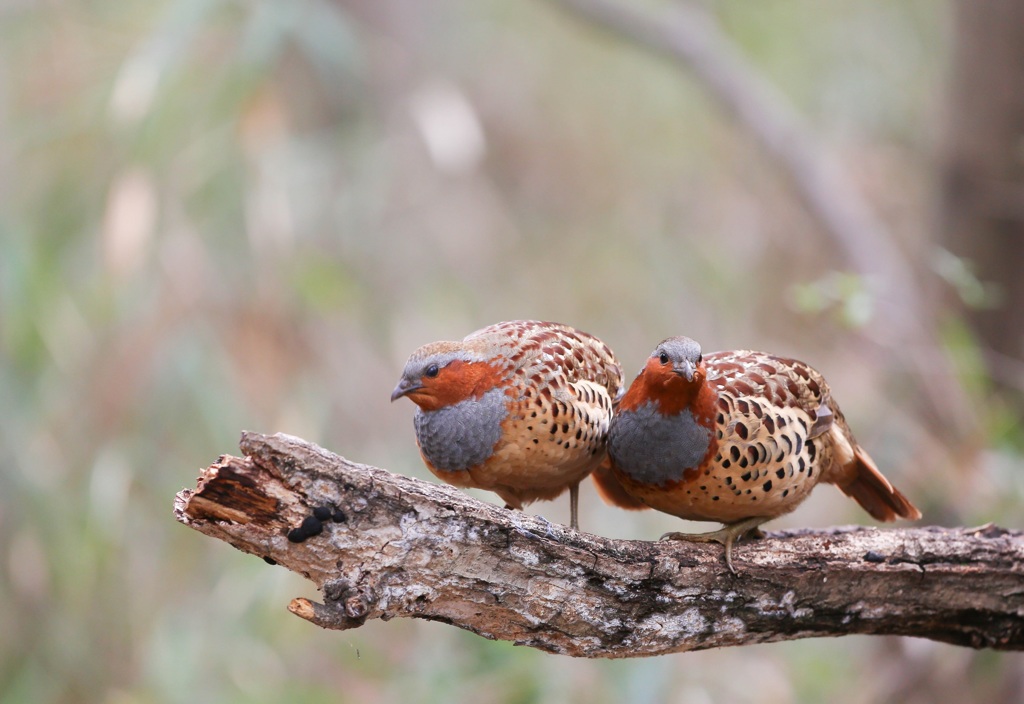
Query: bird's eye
x,y
431,371
663,358
700,358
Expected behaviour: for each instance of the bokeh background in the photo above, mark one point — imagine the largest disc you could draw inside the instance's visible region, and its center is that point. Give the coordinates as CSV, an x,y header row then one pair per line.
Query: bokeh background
x,y
244,214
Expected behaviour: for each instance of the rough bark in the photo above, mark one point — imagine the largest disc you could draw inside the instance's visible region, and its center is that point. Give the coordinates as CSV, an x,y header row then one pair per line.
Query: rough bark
x,y
400,547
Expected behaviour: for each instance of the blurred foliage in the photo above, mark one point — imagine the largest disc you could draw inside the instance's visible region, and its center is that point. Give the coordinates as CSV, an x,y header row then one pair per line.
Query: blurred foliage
x,y
225,214
842,291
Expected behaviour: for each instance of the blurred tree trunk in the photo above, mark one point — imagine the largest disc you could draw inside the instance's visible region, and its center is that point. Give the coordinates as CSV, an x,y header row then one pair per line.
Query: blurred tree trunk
x,y
982,207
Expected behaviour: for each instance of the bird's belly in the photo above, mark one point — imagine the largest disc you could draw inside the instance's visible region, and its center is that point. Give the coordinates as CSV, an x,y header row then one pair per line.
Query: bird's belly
x,y
714,493
533,456
485,444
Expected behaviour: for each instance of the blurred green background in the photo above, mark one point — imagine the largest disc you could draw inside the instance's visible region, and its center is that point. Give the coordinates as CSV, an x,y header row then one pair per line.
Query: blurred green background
x,y
244,214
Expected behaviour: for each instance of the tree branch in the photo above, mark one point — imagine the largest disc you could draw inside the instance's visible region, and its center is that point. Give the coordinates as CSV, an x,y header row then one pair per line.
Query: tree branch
x,y
392,546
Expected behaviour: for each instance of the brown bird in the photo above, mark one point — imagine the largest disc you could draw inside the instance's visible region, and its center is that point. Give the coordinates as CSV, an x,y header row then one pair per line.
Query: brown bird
x,y
738,437
520,408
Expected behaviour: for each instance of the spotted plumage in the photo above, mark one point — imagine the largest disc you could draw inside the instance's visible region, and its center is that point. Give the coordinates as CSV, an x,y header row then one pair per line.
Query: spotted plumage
x,y
520,408
738,437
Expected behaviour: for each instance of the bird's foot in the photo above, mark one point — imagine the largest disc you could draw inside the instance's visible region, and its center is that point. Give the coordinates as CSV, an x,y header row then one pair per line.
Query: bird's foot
x,y
549,528
726,535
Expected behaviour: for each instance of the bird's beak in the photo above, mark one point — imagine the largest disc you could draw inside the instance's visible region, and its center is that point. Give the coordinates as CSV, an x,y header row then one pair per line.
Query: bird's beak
x,y
404,388
686,370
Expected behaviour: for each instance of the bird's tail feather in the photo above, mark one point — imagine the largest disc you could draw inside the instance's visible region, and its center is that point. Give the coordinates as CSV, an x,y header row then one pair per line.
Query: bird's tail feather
x,y
875,493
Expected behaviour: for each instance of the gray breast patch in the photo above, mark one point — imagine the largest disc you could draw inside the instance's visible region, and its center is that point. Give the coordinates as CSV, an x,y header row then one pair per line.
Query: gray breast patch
x,y
462,435
656,449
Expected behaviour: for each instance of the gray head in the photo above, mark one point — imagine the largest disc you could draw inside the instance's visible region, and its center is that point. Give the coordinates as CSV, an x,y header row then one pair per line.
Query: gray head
x,y
682,353
441,373
426,364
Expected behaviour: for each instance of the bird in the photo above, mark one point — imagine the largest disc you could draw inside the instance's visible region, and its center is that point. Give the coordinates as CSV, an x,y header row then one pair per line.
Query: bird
x,y
521,408
738,437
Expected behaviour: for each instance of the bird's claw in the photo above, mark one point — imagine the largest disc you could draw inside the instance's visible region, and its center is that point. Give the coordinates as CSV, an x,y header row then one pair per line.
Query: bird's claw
x,y
549,531
726,535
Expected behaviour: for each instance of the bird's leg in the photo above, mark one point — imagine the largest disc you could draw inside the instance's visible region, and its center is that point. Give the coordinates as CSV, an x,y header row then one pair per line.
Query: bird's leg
x,y
727,535
574,506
